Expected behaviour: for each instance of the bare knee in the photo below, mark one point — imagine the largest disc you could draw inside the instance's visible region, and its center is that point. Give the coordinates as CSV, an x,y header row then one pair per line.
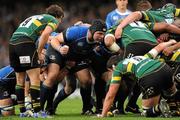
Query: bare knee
x,y
6,106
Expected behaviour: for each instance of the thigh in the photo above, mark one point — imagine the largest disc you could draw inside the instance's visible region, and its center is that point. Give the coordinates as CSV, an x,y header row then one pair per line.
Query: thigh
x,y
54,56
6,107
150,102
34,76
84,76
52,74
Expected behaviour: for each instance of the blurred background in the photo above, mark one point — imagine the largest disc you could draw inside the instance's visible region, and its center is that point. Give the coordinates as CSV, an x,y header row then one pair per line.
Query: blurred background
x,y
14,12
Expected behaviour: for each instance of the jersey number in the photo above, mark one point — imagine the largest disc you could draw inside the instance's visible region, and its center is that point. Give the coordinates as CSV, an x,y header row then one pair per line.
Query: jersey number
x,y
137,24
30,20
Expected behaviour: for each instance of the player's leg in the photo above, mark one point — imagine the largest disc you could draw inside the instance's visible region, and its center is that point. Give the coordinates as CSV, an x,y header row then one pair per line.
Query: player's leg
x,y
69,88
85,79
6,103
19,90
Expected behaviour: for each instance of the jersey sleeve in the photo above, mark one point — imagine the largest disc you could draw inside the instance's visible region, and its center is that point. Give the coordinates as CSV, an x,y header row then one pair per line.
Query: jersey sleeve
x,y
145,16
176,56
53,23
117,74
148,55
116,77
108,21
177,12
150,25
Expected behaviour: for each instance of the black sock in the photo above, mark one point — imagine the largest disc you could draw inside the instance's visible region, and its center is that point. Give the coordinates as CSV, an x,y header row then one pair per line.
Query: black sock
x,y
44,94
20,97
61,96
153,112
49,105
86,97
99,88
35,95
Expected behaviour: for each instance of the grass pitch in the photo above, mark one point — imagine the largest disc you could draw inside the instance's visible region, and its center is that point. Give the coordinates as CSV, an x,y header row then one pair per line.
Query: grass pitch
x,y
70,109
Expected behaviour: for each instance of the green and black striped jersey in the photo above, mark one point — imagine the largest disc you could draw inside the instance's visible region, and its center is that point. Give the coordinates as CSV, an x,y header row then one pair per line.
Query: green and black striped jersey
x,y
133,32
165,14
139,66
33,26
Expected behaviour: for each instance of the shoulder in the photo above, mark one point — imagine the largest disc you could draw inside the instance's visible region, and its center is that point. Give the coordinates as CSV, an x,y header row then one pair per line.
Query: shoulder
x,y
111,13
77,29
74,32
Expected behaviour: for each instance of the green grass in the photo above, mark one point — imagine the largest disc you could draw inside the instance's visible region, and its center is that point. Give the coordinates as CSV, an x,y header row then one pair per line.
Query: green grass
x,y
70,109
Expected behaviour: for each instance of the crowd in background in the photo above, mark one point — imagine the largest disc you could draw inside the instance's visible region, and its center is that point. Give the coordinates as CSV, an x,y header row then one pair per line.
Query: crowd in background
x,y
12,13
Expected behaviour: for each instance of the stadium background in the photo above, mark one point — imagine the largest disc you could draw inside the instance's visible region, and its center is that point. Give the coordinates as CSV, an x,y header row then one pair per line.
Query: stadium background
x,y
13,12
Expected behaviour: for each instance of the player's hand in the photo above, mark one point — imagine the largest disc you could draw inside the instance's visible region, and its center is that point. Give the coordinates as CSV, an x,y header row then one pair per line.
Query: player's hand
x,y
163,37
41,58
168,51
118,32
64,49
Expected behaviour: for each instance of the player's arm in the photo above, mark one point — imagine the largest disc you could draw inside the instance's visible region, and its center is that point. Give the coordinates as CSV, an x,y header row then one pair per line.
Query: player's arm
x,y
110,43
109,98
159,48
165,27
57,42
114,86
169,50
44,38
134,16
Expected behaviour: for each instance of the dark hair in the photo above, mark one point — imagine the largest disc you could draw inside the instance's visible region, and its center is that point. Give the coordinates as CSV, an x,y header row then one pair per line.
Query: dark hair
x,y
55,10
114,60
97,25
143,5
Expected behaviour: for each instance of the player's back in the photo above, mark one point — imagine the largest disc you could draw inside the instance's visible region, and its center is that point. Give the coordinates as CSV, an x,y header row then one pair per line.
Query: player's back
x,y
33,26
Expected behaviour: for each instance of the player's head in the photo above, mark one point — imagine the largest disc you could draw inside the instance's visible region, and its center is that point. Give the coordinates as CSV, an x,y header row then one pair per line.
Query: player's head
x,y
56,11
98,29
122,4
143,5
169,7
114,60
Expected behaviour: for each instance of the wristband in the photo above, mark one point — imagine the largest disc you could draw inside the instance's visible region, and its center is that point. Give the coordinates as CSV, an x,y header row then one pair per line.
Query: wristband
x,y
153,52
114,47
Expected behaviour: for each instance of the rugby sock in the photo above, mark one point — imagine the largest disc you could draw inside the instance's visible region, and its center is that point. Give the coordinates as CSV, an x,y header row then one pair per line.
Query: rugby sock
x,y
44,94
35,95
20,97
86,97
61,96
49,105
99,88
153,112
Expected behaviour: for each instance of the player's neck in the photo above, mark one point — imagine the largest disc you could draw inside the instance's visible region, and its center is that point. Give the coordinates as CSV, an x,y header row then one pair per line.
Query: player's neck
x,y
122,10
